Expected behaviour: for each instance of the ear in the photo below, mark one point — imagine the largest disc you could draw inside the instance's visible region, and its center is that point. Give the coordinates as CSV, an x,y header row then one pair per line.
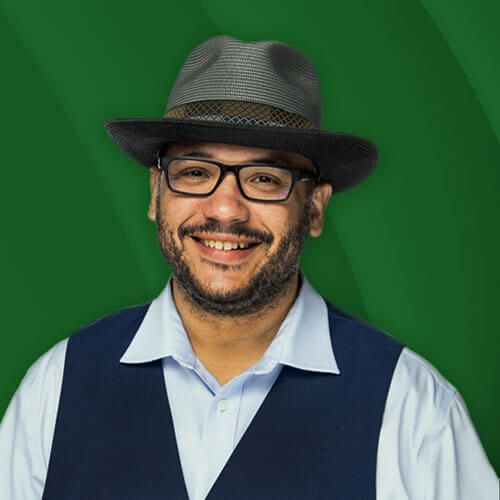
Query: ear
x,y
154,175
320,196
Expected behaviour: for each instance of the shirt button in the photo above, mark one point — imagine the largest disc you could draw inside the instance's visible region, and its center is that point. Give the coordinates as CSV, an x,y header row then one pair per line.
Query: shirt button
x,y
223,405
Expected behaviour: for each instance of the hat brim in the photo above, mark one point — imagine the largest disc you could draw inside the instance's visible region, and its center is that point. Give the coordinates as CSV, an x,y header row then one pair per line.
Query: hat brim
x,y
344,160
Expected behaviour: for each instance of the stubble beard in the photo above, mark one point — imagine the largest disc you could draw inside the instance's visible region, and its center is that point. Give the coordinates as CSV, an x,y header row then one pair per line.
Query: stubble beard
x,y
263,289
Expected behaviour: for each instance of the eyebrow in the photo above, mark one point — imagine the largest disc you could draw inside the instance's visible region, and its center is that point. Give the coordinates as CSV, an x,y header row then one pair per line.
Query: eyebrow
x,y
261,159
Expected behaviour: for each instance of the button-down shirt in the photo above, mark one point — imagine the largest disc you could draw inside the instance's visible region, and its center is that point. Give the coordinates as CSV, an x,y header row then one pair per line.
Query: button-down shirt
x,y
428,448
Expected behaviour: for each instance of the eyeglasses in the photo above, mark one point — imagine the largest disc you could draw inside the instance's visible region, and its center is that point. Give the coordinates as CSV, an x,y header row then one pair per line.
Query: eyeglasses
x,y
257,181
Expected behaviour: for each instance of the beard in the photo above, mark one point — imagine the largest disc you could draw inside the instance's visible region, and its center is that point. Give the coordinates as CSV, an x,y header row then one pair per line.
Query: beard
x,y
262,290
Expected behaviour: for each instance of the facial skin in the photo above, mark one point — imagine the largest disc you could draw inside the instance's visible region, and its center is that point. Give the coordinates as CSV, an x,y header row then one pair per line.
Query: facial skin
x,y
243,281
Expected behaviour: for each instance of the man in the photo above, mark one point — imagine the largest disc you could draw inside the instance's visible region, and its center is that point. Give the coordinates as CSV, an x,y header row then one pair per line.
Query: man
x,y
239,380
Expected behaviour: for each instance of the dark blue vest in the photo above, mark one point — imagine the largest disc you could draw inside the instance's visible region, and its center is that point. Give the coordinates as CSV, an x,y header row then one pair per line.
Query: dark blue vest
x,y
314,437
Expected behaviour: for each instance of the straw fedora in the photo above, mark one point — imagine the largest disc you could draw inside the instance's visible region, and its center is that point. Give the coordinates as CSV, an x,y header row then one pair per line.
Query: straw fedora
x,y
260,94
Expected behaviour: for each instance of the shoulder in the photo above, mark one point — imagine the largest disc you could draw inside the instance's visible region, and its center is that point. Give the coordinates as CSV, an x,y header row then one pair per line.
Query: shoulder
x,y
104,339
115,321
428,446
414,378
417,408
27,427
420,372
43,379
45,373
421,388
28,423
357,341
38,393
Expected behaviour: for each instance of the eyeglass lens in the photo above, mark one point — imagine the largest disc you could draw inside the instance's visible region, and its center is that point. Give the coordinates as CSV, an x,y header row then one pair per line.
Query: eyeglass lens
x,y
200,177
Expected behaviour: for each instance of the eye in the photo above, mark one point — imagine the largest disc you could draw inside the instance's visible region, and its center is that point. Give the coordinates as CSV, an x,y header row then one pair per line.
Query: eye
x,y
194,172
258,180
265,179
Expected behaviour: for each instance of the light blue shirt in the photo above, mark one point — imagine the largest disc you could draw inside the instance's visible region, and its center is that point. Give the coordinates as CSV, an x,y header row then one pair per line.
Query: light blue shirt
x,y
428,448
209,419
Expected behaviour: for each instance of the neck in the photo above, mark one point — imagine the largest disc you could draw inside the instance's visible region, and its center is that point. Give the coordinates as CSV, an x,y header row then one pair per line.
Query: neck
x,y
227,345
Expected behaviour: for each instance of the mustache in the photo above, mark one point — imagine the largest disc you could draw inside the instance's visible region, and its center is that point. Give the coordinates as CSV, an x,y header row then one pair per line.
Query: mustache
x,y
234,229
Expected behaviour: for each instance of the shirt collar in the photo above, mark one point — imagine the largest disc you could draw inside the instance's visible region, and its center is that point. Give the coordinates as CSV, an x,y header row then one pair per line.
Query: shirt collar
x,y
160,333
303,340
309,344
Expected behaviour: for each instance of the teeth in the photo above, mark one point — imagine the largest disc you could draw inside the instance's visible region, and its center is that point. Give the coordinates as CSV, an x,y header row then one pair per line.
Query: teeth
x,y
225,245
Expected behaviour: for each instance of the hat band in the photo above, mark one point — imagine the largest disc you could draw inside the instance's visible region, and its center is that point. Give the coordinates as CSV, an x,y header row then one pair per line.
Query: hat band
x,y
239,112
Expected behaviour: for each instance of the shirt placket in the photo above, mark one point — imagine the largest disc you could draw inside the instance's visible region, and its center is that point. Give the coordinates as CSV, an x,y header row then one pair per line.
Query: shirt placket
x,y
219,430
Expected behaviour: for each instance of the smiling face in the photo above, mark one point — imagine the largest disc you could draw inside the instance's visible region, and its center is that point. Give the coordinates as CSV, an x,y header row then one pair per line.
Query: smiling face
x,y
233,256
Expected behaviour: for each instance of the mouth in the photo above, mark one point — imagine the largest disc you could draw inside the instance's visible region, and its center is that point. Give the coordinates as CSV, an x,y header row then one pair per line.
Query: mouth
x,y
226,248
227,244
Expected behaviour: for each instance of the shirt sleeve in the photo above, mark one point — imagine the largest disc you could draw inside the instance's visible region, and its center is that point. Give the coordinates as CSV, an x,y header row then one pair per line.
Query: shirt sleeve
x,y
428,447
27,427
456,461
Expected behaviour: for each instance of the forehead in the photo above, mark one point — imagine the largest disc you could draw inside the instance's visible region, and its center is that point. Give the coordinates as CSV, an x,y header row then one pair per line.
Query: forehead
x,y
231,153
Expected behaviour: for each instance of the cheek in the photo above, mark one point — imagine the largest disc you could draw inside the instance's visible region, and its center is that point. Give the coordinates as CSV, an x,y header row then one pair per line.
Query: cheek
x,y
279,219
177,210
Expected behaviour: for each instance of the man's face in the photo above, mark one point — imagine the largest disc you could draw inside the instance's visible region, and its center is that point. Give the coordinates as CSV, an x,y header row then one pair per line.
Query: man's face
x,y
269,236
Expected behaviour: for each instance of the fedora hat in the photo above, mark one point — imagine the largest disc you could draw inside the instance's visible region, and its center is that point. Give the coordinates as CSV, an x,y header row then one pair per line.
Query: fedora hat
x,y
259,94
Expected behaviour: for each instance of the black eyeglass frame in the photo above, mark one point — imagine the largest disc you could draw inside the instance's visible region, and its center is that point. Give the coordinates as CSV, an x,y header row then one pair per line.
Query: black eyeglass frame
x,y
297,175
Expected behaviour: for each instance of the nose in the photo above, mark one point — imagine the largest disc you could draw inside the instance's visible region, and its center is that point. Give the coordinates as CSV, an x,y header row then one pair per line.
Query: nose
x,y
227,204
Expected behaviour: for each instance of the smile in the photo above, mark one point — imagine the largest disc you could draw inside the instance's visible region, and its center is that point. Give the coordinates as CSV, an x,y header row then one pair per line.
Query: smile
x,y
225,245
232,249
226,242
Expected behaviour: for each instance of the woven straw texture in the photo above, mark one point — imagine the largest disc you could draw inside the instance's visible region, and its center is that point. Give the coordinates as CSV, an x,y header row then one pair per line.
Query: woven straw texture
x,y
268,72
257,94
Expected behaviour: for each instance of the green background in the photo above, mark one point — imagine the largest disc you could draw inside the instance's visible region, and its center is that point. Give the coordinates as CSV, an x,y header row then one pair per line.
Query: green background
x,y
413,250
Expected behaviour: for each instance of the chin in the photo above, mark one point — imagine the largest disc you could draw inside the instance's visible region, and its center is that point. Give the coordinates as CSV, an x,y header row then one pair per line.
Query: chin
x,y
221,285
